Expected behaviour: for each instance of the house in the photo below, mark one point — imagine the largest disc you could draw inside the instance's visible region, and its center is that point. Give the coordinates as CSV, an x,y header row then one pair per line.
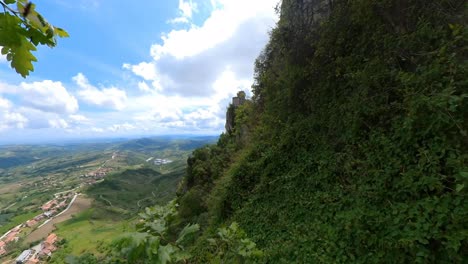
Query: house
x,y
48,245
2,248
50,213
48,205
12,236
39,217
24,257
31,223
51,239
32,261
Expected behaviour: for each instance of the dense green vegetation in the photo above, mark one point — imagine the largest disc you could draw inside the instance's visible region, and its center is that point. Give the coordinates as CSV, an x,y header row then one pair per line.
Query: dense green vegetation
x,y
353,149
134,189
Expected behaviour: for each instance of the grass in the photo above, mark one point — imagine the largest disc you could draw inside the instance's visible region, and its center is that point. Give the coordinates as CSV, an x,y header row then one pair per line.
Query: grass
x,y
18,220
84,233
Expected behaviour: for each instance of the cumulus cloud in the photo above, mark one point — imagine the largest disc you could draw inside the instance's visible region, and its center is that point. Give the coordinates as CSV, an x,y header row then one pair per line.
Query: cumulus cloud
x,y
48,96
188,62
218,28
10,118
112,97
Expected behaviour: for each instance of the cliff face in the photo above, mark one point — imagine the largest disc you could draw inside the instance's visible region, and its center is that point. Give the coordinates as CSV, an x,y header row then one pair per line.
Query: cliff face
x,y
357,132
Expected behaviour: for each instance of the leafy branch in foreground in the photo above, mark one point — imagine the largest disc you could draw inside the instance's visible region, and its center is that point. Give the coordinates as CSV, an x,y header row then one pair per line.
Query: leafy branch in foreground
x,y
21,31
233,246
151,243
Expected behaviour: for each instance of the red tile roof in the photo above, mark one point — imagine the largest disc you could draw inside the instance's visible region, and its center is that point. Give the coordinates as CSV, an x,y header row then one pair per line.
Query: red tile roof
x,y
51,239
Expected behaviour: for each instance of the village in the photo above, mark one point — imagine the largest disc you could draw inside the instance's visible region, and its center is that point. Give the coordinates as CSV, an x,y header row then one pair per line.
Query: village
x,y
95,176
61,202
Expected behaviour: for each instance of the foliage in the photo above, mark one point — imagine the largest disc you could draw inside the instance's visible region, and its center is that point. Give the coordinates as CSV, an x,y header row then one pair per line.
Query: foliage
x,y
233,246
357,133
21,31
152,244
133,189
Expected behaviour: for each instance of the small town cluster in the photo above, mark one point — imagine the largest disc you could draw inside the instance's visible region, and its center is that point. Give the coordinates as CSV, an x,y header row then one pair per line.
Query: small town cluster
x,y
40,252
50,209
94,176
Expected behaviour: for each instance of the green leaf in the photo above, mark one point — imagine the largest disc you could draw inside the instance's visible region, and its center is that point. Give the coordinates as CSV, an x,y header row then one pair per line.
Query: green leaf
x,y
165,252
460,187
61,33
188,230
159,226
22,58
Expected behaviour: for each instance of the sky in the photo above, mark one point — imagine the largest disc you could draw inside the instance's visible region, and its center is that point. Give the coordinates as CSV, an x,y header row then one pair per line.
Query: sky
x,y
135,68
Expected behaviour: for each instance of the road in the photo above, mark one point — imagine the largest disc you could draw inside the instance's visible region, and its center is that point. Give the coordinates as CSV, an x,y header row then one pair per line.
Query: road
x,y
8,207
81,203
64,211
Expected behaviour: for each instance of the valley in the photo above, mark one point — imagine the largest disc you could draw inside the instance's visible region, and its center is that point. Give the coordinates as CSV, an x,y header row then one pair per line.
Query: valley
x,y
83,194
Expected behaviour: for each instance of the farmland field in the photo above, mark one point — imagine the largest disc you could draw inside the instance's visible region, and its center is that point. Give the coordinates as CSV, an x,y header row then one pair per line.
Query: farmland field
x,y
81,203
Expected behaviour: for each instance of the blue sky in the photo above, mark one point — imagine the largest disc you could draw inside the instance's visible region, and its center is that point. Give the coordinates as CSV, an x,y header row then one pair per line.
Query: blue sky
x,y
135,68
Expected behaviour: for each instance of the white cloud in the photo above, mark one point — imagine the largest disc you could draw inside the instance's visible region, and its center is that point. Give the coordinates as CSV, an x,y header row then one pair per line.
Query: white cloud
x,y
143,86
121,127
9,118
218,28
146,70
195,71
4,103
188,62
14,119
58,123
112,97
186,10
48,96
79,120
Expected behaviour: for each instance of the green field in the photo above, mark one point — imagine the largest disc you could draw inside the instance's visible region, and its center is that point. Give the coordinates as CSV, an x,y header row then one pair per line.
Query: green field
x,y
17,220
86,233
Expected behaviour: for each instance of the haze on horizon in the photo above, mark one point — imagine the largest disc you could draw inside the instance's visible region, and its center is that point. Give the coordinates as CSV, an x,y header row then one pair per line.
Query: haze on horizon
x,y
156,68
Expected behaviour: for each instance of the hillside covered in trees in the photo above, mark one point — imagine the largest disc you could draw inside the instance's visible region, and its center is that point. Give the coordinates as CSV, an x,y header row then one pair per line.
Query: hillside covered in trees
x,y
353,148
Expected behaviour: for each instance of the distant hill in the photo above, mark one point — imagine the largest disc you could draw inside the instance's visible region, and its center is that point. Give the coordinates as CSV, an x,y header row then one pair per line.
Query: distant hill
x,y
149,145
133,189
